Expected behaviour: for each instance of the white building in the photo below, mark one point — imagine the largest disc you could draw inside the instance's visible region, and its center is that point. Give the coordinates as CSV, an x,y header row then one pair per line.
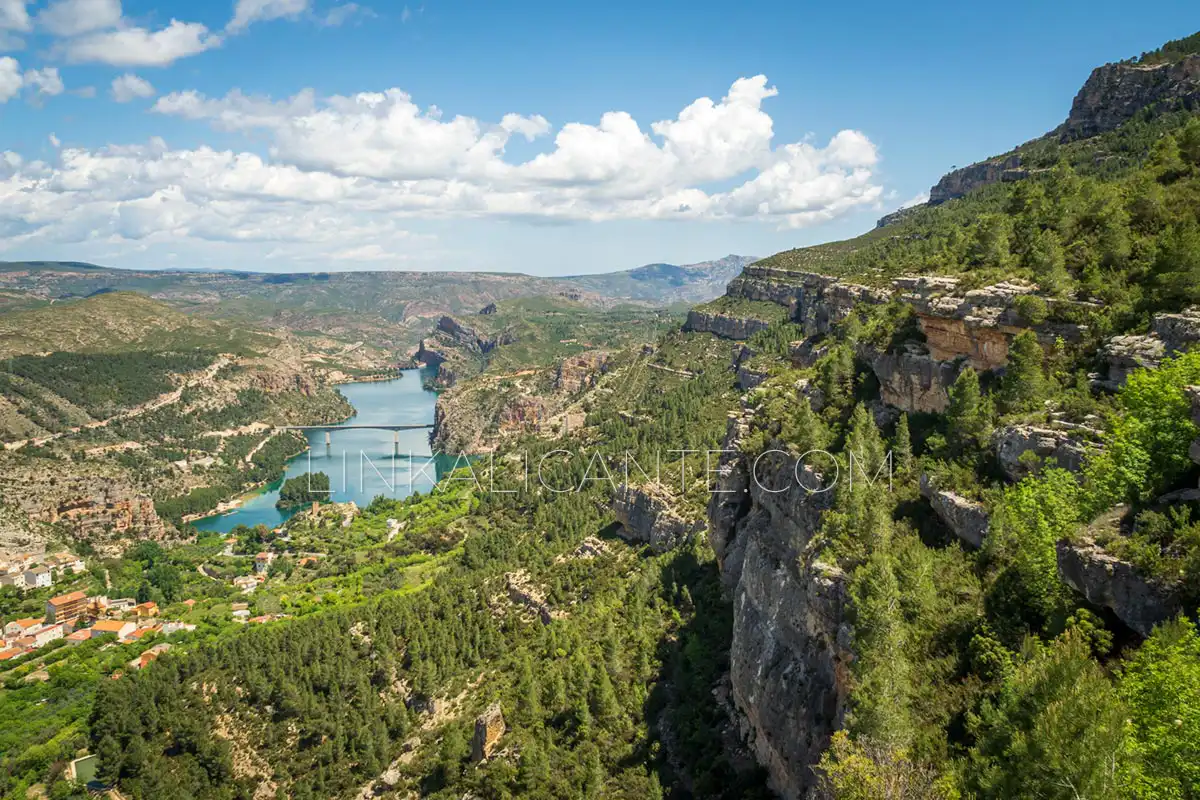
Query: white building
x,y
43,636
38,578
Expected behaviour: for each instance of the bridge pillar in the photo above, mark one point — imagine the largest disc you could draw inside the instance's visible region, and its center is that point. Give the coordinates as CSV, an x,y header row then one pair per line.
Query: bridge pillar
x,y
395,444
328,438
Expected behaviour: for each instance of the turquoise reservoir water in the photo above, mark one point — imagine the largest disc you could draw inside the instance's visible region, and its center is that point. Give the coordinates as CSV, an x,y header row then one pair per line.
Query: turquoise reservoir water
x,y
359,463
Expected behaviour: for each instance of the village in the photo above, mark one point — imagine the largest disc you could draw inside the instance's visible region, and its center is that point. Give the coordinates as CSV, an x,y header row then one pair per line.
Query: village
x,y
77,615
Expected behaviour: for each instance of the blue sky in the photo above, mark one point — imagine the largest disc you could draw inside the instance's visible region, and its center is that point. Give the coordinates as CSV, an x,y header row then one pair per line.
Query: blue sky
x,y
290,135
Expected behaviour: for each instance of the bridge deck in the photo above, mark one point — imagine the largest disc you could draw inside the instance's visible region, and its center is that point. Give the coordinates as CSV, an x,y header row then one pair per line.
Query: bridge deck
x,y
355,427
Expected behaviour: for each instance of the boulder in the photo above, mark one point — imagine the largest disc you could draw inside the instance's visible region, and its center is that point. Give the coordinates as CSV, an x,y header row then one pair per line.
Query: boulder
x,y
1052,448
1111,583
967,519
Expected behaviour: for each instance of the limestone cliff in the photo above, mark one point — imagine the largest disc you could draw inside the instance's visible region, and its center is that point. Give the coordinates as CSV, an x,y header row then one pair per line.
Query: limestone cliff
x,y
650,514
961,181
725,326
790,657
1114,93
967,519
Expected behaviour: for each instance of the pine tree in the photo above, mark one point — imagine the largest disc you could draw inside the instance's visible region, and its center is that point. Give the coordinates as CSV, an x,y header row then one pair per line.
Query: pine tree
x,y
902,446
1049,263
865,444
528,704
805,430
966,417
882,669
1023,387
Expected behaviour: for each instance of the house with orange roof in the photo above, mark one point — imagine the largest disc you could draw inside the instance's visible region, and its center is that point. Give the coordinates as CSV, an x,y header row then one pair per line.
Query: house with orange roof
x,y
79,636
141,633
11,652
113,627
146,610
66,606
20,627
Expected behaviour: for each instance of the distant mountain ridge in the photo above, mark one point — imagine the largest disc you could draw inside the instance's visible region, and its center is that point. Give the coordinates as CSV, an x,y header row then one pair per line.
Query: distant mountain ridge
x,y
391,309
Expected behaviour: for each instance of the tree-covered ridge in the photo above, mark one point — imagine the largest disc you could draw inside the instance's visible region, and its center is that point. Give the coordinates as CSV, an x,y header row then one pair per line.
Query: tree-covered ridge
x,y
1173,50
1111,219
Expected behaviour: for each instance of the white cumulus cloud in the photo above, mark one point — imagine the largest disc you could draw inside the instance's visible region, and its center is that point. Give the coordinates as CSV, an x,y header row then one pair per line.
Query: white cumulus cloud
x,y
44,81
135,46
10,78
129,87
14,16
73,17
250,11
342,175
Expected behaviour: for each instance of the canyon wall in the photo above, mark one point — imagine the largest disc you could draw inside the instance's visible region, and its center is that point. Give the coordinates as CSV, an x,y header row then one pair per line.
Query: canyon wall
x,y
790,657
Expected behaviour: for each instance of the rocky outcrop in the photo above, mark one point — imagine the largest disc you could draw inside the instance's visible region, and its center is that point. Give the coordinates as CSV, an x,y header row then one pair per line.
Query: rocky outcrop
x,y
1022,449
647,514
489,727
960,182
912,380
749,378
978,324
1169,334
1107,581
727,327
580,372
813,300
967,519
1123,355
1114,93
791,653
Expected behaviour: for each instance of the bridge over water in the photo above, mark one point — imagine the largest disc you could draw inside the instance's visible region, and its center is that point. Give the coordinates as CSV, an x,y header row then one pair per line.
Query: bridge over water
x,y
335,427
355,427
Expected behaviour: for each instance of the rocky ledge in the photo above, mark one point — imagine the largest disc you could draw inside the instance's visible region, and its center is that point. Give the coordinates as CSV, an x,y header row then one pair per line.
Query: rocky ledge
x,y
912,379
727,327
967,519
1169,334
962,181
1107,581
647,514
1022,449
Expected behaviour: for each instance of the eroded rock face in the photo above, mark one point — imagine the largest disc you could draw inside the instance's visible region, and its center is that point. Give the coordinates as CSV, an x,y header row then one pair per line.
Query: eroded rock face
x,y
813,300
1052,448
967,519
913,380
730,502
580,372
647,514
1125,354
489,727
1114,93
748,378
790,657
1169,334
1107,581
736,328
962,181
